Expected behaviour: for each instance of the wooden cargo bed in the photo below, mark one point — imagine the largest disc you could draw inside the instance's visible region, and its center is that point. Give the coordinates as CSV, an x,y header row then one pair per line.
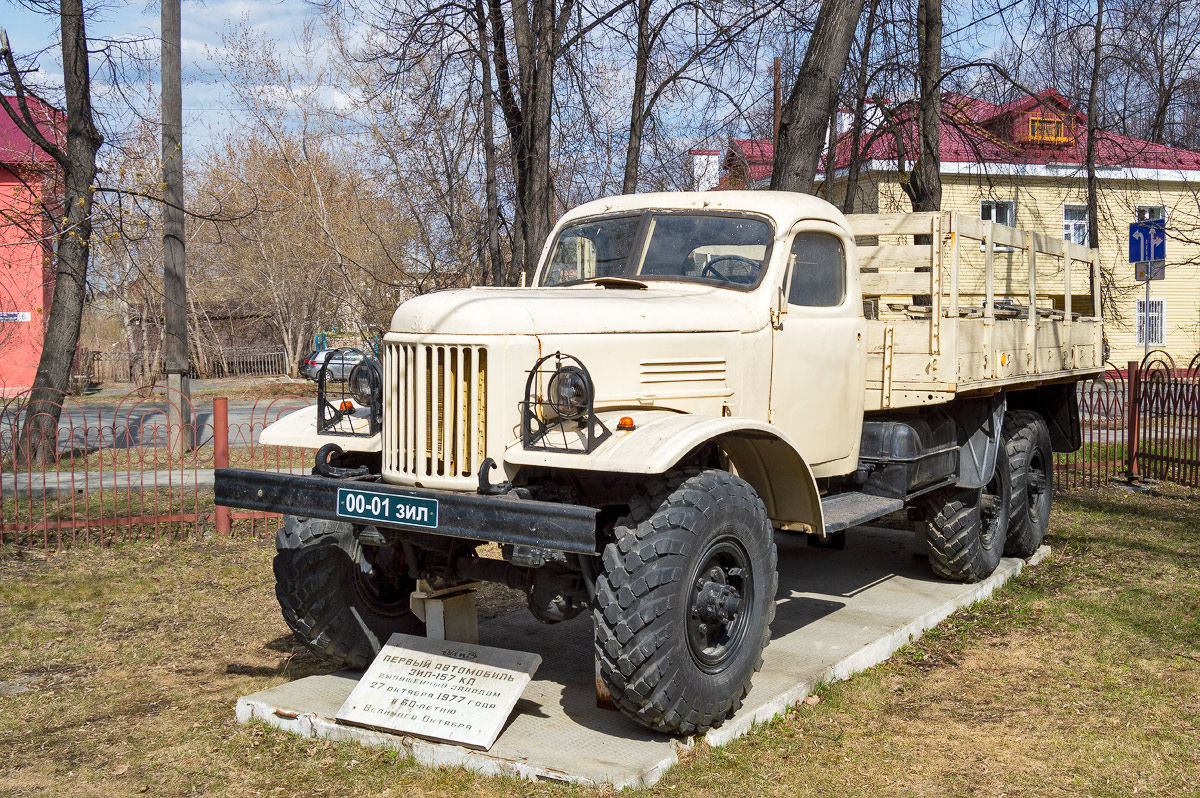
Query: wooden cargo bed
x,y
983,307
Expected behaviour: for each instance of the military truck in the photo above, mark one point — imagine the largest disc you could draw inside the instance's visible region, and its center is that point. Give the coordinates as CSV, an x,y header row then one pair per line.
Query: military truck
x,y
686,376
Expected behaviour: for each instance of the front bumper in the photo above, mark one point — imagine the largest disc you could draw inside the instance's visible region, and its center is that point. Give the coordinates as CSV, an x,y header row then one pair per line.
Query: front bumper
x,y
498,519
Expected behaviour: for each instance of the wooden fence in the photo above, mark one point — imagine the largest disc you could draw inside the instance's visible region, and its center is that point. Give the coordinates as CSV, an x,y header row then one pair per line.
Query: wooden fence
x,y
134,367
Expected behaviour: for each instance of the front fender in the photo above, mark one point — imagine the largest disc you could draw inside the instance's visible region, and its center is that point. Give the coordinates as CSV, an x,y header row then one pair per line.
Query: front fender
x,y
761,454
299,429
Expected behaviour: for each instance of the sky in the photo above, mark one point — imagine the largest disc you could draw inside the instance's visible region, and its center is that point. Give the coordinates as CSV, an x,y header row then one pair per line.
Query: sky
x,y
202,26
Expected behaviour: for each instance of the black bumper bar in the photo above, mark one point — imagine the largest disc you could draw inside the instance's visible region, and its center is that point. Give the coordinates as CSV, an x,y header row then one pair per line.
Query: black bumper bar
x,y
500,519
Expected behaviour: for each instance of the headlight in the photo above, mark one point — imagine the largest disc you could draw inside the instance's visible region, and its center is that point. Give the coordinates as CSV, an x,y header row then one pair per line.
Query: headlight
x,y
366,383
569,393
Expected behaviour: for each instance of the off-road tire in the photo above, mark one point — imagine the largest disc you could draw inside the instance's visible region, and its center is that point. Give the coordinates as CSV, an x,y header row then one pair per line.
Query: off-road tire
x,y
1031,464
967,528
323,580
691,532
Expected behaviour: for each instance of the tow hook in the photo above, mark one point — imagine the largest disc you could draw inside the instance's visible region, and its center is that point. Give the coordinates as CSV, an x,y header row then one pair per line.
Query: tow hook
x,y
322,468
486,488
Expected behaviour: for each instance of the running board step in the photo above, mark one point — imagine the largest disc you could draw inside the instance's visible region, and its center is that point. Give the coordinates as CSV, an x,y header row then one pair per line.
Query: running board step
x,y
851,509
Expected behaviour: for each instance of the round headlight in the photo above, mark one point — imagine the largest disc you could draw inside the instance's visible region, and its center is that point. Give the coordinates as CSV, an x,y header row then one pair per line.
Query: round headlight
x,y
568,392
365,383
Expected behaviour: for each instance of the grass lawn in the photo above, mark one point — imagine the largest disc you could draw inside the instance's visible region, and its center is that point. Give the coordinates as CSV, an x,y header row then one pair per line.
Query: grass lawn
x,y
1082,677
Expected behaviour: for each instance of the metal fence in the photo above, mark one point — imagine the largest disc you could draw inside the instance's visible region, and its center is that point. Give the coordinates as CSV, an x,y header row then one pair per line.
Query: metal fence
x,y
122,471
1142,421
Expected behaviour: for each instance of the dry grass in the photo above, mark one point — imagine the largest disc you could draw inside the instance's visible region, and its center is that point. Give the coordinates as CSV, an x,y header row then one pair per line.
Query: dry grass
x,y
1080,678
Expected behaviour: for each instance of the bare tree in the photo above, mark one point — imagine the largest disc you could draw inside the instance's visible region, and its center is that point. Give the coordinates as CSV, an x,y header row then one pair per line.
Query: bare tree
x,y
76,156
924,187
814,96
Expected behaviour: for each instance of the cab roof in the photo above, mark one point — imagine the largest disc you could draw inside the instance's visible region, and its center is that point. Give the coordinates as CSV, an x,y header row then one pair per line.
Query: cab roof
x,y
784,207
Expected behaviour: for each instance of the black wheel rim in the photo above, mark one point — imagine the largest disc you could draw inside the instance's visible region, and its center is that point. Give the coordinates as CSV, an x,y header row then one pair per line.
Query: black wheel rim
x,y
1035,487
720,604
380,580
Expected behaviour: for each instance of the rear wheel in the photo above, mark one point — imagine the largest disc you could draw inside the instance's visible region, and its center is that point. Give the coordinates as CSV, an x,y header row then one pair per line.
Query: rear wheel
x,y
342,599
685,600
1027,441
967,528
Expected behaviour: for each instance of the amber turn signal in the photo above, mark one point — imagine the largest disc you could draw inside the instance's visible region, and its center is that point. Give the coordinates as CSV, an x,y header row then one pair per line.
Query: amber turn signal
x,y
625,424
347,406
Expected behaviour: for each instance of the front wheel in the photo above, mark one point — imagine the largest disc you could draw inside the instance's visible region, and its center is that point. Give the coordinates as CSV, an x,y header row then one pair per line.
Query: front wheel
x,y
342,599
685,600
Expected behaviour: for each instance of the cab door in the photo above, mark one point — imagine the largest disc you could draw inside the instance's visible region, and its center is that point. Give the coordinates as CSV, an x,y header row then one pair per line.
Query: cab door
x,y
818,359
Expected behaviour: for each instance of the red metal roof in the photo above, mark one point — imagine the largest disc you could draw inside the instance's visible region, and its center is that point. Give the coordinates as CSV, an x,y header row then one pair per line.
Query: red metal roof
x,y
977,131
973,131
16,149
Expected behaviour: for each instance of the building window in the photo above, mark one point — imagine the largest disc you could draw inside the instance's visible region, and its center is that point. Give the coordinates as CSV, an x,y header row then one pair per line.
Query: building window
x,y
1001,212
1146,213
1075,224
1047,130
1151,327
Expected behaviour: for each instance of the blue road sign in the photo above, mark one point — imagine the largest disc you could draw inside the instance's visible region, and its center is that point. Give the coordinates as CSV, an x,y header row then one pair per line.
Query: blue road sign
x,y
1148,240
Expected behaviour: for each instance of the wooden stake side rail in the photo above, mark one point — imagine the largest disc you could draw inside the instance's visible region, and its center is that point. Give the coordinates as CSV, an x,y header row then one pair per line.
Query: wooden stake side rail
x,y
983,307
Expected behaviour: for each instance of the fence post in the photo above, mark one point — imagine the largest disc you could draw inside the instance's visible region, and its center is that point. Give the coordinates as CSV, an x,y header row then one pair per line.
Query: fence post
x,y
1132,401
221,454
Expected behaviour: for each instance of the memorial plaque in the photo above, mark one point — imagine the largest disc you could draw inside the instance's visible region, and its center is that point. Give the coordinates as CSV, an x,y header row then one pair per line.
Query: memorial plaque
x,y
458,692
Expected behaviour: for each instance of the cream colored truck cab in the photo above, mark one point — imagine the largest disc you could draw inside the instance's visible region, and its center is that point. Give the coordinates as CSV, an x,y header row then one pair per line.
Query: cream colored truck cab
x,y
686,375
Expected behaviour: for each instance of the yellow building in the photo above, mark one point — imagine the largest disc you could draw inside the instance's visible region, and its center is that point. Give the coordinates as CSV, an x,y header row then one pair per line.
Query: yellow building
x,y
1021,164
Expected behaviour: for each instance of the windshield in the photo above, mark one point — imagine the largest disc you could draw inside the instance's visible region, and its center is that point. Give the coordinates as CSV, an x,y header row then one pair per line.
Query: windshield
x,y
716,249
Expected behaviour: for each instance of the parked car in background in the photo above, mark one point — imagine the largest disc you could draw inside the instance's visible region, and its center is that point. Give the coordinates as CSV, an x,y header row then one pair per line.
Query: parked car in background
x,y
312,362
306,361
338,361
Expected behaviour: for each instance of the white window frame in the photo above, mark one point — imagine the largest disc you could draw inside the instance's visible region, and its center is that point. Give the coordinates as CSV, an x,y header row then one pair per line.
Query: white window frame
x,y
1160,328
1069,226
992,205
1142,212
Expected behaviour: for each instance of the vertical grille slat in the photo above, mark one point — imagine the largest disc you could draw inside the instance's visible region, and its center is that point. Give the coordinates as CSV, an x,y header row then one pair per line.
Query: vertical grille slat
x,y
435,424
407,390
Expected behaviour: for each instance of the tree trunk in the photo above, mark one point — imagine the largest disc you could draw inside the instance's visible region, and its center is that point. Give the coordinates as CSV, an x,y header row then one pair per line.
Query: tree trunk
x,y
70,287
813,96
860,103
925,186
1093,123
527,104
494,270
637,114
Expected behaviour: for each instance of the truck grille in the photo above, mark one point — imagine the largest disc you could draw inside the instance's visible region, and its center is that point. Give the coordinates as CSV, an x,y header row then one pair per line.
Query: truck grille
x,y
435,410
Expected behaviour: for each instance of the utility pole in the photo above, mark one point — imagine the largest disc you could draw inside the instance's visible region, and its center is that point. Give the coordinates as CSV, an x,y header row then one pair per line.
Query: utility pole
x,y
179,416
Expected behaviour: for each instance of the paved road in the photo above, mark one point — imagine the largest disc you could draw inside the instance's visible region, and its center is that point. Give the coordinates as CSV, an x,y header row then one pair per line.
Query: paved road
x,y
52,483
125,425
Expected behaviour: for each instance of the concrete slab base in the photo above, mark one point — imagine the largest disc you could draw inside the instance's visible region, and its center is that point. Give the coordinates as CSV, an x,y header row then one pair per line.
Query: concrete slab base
x,y
838,612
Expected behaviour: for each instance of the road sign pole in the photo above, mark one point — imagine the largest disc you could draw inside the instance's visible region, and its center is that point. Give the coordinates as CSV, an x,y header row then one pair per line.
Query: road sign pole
x,y
1146,319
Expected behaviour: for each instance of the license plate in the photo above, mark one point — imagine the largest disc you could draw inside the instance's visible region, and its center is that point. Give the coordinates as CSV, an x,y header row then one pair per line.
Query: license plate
x,y
387,508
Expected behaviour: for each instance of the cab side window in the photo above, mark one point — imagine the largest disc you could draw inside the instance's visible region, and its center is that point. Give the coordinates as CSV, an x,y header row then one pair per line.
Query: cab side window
x,y
818,271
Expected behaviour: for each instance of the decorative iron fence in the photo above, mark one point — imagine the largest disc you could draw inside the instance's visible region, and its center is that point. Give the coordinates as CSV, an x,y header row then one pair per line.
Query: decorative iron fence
x,y
127,470
121,471
1142,421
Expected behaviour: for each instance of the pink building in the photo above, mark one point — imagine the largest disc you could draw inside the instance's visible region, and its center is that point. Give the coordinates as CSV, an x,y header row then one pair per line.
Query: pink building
x,y
29,185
